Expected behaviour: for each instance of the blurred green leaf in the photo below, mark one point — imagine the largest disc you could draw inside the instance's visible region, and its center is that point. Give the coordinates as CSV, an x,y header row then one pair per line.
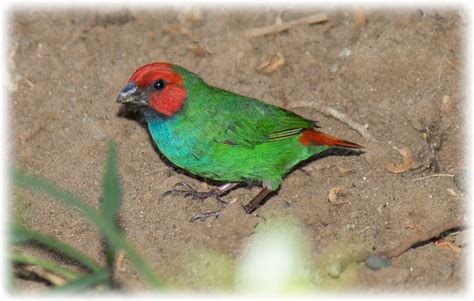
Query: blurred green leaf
x,y
206,270
108,229
38,183
111,191
17,237
19,208
18,257
85,282
111,201
21,234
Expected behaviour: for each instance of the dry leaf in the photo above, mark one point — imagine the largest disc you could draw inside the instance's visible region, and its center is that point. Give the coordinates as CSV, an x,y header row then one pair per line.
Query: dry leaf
x,y
198,49
335,194
452,192
359,17
28,135
276,61
176,28
25,136
443,244
408,161
345,171
119,260
447,104
416,227
194,16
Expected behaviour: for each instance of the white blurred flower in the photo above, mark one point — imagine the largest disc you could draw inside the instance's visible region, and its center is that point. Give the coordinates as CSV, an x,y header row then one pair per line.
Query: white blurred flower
x,y
275,261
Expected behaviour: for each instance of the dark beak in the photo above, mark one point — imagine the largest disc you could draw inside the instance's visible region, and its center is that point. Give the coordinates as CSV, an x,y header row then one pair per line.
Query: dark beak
x,y
130,94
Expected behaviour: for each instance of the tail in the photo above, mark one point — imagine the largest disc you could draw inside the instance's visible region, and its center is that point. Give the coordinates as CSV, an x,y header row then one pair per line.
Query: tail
x,y
315,137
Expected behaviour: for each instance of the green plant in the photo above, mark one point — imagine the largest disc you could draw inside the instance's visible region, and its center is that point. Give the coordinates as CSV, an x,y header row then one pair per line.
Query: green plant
x,y
104,220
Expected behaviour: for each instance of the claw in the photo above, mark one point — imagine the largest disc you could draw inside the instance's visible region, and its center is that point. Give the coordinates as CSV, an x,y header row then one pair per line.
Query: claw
x,y
180,188
165,194
188,191
221,201
204,216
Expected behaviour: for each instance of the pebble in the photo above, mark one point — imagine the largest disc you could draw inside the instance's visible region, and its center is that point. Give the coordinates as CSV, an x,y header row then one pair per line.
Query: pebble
x,y
335,269
345,52
460,180
376,263
334,67
69,88
462,239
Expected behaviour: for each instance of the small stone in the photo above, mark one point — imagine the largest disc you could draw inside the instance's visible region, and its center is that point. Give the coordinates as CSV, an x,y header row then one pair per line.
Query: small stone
x,y
335,269
69,88
375,262
345,52
462,239
447,104
460,180
85,119
24,42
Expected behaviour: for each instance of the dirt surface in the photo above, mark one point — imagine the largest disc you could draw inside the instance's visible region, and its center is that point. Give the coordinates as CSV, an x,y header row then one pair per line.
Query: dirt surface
x,y
401,74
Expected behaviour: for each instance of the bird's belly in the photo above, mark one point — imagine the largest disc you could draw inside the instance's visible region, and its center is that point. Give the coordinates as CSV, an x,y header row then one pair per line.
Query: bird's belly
x,y
224,162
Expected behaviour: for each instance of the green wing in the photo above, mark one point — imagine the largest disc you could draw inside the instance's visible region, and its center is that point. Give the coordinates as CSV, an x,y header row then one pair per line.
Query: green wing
x,y
236,119
248,122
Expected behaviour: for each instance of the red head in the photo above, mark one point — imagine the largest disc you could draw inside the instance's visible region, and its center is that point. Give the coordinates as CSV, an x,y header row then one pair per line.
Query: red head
x,y
156,86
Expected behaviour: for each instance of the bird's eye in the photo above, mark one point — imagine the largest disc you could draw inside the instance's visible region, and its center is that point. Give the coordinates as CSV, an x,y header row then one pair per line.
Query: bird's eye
x,y
159,84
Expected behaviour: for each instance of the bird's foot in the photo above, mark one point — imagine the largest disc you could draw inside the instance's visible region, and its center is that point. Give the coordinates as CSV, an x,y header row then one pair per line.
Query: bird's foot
x,y
204,216
188,191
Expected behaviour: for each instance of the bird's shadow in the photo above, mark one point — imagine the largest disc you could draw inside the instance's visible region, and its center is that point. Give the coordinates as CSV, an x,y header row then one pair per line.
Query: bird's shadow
x,y
327,153
134,113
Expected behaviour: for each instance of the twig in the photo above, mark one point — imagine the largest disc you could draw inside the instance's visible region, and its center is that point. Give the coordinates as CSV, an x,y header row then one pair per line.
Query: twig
x,y
280,26
328,111
421,237
29,82
434,176
452,65
440,71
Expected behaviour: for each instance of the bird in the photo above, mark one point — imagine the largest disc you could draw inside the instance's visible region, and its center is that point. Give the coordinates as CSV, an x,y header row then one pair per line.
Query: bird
x,y
220,135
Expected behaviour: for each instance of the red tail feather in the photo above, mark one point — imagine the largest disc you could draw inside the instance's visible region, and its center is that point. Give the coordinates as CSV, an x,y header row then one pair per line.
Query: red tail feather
x,y
319,138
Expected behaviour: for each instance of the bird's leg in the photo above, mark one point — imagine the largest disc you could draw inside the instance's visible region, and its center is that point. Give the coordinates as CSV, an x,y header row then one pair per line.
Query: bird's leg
x,y
250,206
187,190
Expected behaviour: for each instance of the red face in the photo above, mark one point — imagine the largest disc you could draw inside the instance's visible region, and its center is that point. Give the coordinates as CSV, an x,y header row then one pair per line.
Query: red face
x,y
156,86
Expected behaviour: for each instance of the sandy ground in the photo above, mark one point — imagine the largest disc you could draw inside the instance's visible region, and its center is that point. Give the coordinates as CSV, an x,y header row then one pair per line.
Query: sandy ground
x,y
401,74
